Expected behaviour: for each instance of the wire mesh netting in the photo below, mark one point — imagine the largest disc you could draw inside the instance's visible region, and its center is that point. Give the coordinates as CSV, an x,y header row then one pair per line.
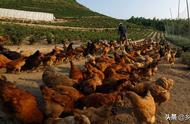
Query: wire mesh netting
x,y
178,29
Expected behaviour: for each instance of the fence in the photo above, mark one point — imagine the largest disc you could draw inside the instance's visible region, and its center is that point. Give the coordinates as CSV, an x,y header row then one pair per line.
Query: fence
x,y
26,15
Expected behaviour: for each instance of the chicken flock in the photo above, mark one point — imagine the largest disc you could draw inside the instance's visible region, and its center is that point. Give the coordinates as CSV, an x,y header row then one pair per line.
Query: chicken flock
x,y
112,78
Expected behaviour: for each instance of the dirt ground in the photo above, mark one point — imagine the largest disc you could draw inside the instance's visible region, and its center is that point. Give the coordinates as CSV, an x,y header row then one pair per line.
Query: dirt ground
x,y
178,104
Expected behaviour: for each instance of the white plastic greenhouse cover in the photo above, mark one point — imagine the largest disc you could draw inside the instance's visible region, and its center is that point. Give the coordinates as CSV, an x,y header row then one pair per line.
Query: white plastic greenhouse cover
x,y
19,14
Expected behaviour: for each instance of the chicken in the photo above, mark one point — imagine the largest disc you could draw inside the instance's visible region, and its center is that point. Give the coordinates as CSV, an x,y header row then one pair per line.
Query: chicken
x,y
16,65
160,94
75,73
49,60
111,73
12,55
106,50
170,56
144,107
33,61
19,103
105,58
89,86
92,71
110,85
67,90
123,66
60,58
98,99
4,60
95,115
102,65
91,59
165,83
52,78
56,103
117,57
148,70
76,119
70,52
4,38
70,47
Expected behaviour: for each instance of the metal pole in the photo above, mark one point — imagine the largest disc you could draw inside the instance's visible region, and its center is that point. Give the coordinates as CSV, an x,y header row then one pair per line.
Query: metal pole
x,y
171,13
172,21
178,8
187,9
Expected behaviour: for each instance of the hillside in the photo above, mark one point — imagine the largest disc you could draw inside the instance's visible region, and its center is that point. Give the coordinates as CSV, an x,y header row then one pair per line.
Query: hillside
x,y
60,8
73,22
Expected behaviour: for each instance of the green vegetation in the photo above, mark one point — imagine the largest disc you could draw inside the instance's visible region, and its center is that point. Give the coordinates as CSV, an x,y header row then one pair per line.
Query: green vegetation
x,y
178,32
153,23
87,22
179,40
35,34
98,22
186,58
60,8
178,27
74,14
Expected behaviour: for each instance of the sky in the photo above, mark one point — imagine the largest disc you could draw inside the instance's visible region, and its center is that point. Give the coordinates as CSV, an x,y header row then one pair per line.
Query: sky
x,y
124,9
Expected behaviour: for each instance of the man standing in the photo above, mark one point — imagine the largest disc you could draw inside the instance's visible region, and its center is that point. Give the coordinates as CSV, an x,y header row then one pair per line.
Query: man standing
x,y
122,32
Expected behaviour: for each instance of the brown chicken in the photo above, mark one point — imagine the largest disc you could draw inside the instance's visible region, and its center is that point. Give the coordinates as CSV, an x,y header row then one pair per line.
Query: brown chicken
x,y
148,70
76,119
56,103
92,71
166,83
170,56
159,94
75,73
111,73
106,50
96,115
144,107
4,38
49,60
105,58
4,60
52,78
16,65
33,61
60,58
67,90
89,86
98,99
102,65
122,66
19,103
111,85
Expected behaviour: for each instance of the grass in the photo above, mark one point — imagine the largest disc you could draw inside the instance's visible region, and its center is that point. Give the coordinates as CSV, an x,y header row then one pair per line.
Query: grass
x,y
179,40
186,58
88,22
35,34
60,8
75,15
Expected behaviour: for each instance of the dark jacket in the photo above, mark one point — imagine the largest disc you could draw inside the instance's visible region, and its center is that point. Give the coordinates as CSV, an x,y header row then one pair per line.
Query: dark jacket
x,y
122,30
